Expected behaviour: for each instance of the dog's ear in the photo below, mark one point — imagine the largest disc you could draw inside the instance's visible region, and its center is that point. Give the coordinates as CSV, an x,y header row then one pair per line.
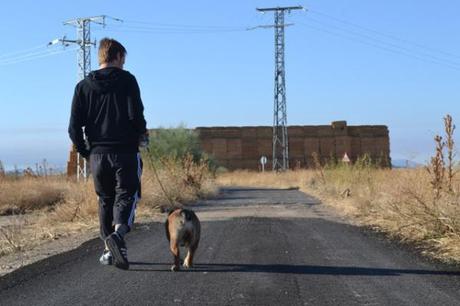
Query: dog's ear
x,y
170,210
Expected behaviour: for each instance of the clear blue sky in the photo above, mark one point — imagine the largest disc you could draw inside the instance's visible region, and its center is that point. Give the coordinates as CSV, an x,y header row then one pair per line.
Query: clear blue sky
x,y
368,62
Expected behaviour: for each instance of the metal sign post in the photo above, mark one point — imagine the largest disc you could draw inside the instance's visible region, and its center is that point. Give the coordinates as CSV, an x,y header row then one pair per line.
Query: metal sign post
x,y
345,158
263,160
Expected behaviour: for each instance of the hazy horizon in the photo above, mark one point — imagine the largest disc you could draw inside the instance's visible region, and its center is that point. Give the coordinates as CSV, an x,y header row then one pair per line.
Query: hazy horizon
x,y
56,145
370,63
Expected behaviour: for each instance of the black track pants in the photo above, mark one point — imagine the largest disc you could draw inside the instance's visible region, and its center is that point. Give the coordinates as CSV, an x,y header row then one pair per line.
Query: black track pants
x,y
117,180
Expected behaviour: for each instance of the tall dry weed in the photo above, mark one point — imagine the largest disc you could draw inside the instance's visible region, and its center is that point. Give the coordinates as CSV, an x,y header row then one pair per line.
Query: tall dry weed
x,y
11,238
449,129
436,168
2,171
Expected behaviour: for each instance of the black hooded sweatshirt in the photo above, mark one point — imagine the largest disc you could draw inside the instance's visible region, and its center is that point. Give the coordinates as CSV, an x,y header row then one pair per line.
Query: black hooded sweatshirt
x,y
108,105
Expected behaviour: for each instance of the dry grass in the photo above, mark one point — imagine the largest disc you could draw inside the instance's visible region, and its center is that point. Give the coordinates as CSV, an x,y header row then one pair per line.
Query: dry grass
x,y
420,206
400,202
18,196
47,208
182,182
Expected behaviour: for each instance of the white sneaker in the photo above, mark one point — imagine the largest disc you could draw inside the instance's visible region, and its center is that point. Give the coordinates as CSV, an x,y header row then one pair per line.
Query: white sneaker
x,y
106,258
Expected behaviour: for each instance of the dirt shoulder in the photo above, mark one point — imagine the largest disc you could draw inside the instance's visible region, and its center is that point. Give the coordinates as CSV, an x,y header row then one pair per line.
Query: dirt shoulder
x,y
13,261
59,244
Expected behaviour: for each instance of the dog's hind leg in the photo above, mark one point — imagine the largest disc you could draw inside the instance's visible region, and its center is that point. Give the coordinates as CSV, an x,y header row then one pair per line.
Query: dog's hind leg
x,y
188,262
175,251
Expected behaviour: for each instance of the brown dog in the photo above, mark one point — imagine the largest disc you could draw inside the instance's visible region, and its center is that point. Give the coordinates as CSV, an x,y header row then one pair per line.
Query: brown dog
x,y
182,229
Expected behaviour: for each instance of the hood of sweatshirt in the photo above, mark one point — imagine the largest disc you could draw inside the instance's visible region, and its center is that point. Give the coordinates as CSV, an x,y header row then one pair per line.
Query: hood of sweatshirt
x,y
106,79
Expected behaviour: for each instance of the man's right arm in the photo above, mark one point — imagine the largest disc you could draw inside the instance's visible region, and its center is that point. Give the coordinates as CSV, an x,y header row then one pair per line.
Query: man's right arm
x,y
137,111
76,124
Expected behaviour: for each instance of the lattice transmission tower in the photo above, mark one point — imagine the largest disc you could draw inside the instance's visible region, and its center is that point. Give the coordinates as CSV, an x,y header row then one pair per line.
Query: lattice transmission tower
x,y
84,43
83,26
280,158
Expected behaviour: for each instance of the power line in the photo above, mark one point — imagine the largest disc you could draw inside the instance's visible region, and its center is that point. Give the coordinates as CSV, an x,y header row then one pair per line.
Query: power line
x,y
391,36
171,29
173,25
386,43
452,65
174,28
123,26
26,55
145,27
168,32
15,53
30,58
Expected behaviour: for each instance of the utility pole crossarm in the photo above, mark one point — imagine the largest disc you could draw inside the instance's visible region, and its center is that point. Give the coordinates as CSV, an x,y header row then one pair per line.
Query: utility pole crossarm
x,y
77,21
269,26
285,8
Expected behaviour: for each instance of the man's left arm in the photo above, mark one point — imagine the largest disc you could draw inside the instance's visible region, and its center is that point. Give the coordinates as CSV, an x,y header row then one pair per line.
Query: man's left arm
x,y
76,124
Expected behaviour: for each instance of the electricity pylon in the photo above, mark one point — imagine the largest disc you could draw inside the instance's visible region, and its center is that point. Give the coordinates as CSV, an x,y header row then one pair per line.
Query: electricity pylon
x,y
280,159
83,26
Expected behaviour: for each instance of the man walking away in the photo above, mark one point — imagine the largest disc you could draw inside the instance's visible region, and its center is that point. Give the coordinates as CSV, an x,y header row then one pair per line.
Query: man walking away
x,y
107,104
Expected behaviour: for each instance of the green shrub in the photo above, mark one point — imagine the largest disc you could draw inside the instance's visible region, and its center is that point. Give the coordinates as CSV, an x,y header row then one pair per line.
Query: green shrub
x,y
175,143
178,143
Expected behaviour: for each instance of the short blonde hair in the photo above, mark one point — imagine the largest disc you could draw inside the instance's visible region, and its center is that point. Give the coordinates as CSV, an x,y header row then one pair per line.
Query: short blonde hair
x,y
109,49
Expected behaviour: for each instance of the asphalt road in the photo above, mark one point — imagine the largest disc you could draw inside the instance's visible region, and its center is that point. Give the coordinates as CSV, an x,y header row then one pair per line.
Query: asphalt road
x,y
258,247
